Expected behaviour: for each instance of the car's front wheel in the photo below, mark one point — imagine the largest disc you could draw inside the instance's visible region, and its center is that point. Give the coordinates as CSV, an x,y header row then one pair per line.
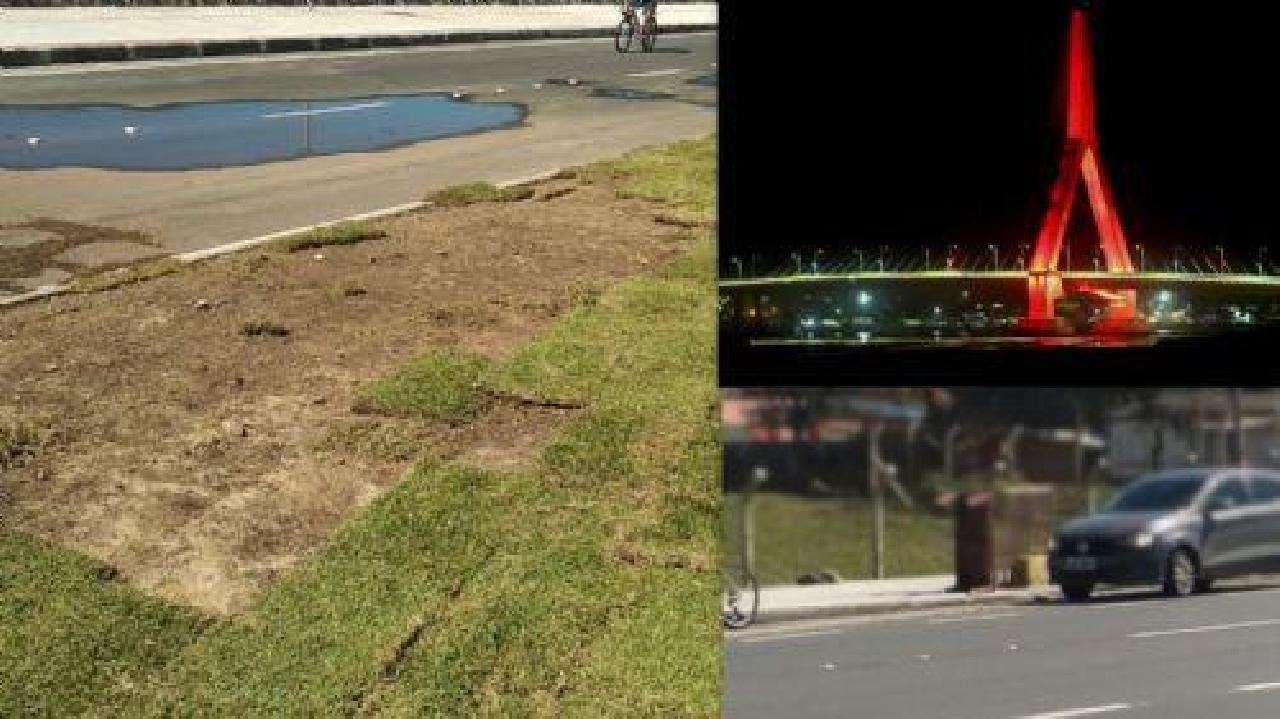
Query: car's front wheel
x,y
1182,575
1077,592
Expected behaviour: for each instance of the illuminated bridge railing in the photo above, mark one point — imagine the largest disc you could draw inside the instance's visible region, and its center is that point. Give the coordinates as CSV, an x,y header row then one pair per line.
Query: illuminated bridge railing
x,y
1079,276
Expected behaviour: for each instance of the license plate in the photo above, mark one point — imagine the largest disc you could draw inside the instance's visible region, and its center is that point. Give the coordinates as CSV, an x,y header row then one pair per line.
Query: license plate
x,y
1079,564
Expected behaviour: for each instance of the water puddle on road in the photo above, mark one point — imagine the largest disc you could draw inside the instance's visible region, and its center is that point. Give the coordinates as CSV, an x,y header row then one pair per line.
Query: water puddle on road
x,y
623,93
233,133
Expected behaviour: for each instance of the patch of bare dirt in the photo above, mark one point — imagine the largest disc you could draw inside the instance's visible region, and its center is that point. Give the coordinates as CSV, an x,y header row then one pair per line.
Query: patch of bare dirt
x,y
204,461
30,248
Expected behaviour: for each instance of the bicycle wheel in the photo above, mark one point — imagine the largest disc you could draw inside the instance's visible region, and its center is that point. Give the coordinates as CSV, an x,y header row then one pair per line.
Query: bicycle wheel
x,y
623,34
741,600
649,35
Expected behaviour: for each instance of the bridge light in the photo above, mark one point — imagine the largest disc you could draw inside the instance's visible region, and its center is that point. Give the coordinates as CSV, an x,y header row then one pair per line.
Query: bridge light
x,y
1164,296
864,298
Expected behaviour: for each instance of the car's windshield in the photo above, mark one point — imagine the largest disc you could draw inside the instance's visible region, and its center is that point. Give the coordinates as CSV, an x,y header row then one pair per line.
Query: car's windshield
x,y
1157,494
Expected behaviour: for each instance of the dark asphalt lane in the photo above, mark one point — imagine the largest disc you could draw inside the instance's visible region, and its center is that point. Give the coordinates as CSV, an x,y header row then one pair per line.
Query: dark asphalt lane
x,y
208,186
480,67
1215,655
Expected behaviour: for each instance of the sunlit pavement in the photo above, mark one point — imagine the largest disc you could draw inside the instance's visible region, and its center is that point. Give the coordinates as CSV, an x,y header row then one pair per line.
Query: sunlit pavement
x,y
784,603
1127,654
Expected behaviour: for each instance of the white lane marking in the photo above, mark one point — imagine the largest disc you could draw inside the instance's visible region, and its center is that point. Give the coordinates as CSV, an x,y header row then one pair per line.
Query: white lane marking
x,y
656,73
197,255
1206,628
327,110
1082,711
976,618
1107,605
1258,687
790,635
230,247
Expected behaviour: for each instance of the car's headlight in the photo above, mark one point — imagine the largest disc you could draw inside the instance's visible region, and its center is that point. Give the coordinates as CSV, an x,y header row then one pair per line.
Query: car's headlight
x,y
1143,539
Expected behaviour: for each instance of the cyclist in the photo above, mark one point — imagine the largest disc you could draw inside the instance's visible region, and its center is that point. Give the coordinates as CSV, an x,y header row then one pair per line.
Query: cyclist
x,y
650,8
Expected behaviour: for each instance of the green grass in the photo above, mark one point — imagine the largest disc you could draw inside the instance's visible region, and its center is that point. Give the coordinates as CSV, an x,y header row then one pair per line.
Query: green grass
x,y
133,274
72,640
343,233
477,192
511,583
321,638
584,585
444,385
682,175
539,630
797,535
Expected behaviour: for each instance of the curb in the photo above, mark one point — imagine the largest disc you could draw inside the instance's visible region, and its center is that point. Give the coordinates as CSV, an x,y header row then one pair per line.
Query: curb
x,y
39,56
910,605
231,247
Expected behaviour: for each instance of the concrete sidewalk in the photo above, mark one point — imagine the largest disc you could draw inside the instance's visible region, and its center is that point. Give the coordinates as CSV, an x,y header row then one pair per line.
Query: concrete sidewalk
x,y
42,36
814,601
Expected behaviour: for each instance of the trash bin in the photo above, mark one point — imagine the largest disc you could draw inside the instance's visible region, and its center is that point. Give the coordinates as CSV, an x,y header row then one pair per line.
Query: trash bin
x,y
974,540
1023,524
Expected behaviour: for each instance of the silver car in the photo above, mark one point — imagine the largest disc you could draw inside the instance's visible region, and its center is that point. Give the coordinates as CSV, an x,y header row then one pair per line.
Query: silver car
x,y
1180,529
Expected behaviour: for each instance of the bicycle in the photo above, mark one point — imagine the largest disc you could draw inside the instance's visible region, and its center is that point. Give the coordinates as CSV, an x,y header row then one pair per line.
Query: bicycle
x,y
626,29
741,598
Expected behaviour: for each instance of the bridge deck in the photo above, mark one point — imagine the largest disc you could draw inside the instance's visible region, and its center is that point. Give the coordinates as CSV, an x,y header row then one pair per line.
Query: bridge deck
x,y
1102,277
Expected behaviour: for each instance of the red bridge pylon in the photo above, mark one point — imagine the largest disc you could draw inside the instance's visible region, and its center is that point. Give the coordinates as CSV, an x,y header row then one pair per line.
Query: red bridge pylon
x,y
1080,160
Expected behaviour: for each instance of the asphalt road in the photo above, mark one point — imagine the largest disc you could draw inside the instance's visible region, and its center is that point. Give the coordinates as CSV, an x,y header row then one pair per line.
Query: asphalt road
x,y
187,210
1130,657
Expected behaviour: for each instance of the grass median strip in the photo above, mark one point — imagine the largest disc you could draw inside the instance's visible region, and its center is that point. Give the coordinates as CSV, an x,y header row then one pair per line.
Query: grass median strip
x,y
124,276
73,639
343,233
581,583
620,555
323,636
807,535
477,192
443,385
509,582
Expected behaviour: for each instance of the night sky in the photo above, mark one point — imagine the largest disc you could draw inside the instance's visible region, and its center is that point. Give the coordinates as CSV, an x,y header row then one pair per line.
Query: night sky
x,y
937,123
